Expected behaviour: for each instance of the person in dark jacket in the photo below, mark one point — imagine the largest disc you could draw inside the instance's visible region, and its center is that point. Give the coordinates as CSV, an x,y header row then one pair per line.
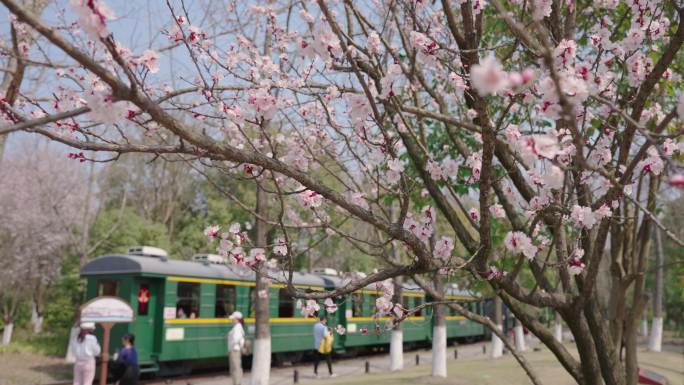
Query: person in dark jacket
x,y
127,360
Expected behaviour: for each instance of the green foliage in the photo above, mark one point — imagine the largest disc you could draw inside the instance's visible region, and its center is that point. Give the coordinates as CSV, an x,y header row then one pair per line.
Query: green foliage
x,y
120,229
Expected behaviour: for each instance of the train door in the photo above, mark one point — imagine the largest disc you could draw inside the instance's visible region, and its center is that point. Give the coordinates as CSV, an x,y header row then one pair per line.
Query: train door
x,y
145,304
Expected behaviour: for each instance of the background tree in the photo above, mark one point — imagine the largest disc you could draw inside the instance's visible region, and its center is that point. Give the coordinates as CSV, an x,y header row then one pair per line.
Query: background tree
x,y
41,200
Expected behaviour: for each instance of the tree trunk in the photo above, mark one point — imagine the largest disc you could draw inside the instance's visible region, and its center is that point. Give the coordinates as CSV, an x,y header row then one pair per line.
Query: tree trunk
x,y
261,355
643,328
7,333
519,337
497,345
36,318
439,335
397,339
656,340
558,328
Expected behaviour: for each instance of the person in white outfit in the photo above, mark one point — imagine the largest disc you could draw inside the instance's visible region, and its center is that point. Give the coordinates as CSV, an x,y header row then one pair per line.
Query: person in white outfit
x,y
236,342
85,348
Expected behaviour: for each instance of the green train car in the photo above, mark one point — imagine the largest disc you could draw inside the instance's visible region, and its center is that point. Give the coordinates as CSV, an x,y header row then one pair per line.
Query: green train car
x,y
181,310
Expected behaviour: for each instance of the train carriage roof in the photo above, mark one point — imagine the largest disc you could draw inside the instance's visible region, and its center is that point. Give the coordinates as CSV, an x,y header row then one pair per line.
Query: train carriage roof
x,y
143,265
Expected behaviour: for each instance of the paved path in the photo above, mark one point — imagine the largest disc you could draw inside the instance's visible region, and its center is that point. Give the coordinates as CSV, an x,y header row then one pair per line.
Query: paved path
x,y
342,367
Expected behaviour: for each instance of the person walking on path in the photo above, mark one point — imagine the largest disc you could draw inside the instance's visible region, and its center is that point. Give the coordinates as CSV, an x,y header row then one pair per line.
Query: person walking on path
x,y
128,360
322,345
85,348
236,343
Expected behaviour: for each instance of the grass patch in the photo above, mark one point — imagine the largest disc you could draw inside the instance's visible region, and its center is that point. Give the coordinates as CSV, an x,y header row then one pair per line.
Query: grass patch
x,y
47,344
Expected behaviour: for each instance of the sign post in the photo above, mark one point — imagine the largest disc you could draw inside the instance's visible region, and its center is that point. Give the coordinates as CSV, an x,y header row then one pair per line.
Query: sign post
x,y
106,311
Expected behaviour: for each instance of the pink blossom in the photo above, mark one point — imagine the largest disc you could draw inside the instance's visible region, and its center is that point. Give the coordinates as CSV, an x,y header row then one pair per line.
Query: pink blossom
x,y
103,107
384,305
488,77
603,212
310,308
450,168
280,247
310,199
575,264
653,163
234,228
330,305
474,161
395,165
374,43
583,217
541,9
478,6
398,310
474,214
669,147
212,232
436,172
263,103
263,294
340,329
497,211
553,177
444,247
359,199
92,15
257,254
565,53
493,273
386,286
519,242
390,84
633,39
150,59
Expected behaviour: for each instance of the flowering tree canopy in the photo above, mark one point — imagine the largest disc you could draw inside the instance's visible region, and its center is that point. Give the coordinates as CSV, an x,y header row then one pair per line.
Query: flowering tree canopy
x,y
544,133
41,203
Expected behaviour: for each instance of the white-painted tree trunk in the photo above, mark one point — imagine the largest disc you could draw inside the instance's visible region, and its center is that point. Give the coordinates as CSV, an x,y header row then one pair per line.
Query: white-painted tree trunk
x,y
36,319
519,337
558,331
497,345
7,333
655,342
439,349
70,358
397,349
643,330
261,362
656,339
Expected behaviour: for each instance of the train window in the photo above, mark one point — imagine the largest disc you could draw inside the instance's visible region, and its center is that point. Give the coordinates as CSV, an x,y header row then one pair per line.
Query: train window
x,y
286,304
187,302
372,309
417,301
225,301
405,301
107,287
357,305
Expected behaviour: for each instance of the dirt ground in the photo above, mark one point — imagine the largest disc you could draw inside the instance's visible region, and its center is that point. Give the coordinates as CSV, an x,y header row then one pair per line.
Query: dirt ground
x,y
23,368
471,367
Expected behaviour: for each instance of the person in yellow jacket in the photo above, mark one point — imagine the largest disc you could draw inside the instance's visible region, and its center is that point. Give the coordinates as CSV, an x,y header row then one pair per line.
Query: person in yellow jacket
x,y
323,340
